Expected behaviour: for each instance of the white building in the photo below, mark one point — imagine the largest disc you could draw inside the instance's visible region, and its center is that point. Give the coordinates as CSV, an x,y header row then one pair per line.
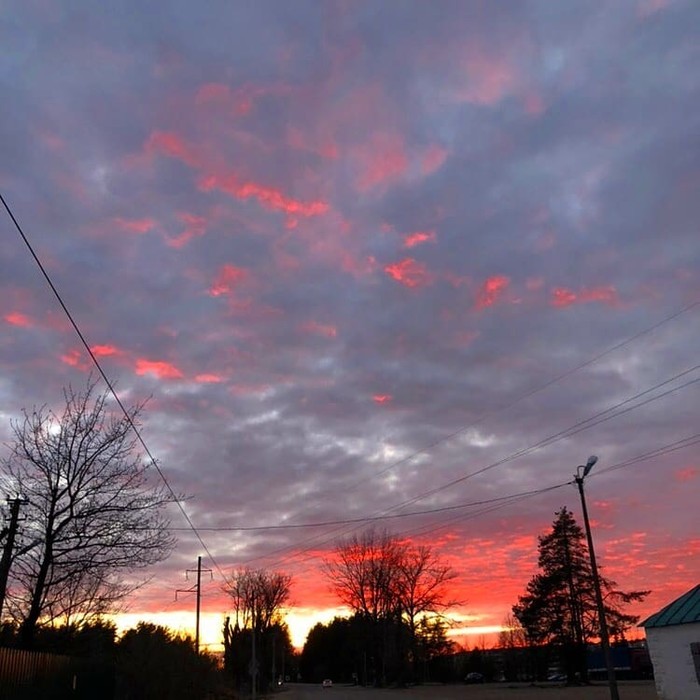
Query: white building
x,y
673,637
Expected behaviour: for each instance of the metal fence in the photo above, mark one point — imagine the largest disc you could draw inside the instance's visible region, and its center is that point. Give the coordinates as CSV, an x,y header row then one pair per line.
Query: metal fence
x,y
34,674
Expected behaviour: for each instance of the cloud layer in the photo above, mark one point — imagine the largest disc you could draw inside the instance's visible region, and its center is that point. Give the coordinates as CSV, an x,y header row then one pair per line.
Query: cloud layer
x,y
356,252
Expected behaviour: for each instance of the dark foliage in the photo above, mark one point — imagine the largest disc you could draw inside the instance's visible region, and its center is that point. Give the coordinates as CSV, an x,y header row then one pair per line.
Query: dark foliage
x,y
559,607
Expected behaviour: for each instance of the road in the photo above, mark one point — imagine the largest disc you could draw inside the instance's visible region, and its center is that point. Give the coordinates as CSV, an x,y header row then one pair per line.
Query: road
x,y
632,690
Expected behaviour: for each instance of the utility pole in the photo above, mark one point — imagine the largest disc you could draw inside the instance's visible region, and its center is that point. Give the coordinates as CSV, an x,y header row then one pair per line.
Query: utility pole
x,y
11,532
197,589
581,473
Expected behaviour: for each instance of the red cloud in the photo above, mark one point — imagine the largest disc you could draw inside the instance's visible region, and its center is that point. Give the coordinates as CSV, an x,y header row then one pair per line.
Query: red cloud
x,y
135,225
320,329
409,273
104,350
562,297
414,239
15,318
267,196
229,276
491,291
382,398
162,370
75,358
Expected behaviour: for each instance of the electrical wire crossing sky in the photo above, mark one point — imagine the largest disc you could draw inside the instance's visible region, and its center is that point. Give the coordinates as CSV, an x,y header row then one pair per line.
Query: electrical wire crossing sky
x,y
372,264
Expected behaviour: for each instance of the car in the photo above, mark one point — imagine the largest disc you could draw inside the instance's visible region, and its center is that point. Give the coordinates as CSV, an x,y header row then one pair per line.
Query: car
x,y
557,677
474,677
327,683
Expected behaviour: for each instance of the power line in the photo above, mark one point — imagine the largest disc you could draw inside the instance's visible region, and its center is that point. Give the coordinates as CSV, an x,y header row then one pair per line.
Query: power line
x,y
518,497
367,519
526,395
108,383
568,432
591,421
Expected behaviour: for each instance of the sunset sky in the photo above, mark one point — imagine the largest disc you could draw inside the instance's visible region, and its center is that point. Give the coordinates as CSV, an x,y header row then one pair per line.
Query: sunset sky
x,y
369,259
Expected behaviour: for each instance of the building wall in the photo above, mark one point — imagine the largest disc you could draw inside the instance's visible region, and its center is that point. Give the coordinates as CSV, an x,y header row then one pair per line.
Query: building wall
x,y
674,670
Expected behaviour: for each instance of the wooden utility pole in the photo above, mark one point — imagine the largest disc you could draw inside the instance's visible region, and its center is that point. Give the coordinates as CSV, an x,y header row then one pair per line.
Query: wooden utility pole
x,y
197,590
9,546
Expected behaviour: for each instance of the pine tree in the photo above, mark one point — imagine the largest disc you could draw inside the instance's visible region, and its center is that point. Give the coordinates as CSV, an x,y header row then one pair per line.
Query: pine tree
x,y
559,606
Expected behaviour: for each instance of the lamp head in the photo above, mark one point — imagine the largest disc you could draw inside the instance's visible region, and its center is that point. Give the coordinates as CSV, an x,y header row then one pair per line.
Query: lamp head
x,y
590,464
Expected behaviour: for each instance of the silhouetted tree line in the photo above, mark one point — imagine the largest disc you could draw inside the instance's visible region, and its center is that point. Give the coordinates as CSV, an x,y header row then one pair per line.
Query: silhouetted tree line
x,y
346,650
146,662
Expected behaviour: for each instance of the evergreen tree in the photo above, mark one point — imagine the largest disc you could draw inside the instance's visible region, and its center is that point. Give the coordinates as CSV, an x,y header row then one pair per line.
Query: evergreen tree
x,y
559,607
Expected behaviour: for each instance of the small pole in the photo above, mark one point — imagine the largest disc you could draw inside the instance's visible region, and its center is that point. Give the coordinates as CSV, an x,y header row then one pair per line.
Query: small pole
x,y
253,660
604,638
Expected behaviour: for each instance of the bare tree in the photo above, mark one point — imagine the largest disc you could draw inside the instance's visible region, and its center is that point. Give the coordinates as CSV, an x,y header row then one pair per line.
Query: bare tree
x,y
258,597
423,582
393,584
365,571
258,631
92,516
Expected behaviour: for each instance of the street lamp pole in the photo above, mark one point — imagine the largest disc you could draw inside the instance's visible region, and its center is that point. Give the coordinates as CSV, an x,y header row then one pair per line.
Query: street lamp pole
x,y
581,473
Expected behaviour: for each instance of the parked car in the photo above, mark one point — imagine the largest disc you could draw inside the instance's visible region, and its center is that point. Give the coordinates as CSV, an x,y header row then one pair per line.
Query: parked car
x,y
474,677
327,683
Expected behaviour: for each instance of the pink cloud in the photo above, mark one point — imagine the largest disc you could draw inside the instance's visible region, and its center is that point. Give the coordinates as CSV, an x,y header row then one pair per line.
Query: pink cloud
x,y
239,102
228,277
647,8
320,329
533,103
135,225
433,158
162,370
489,77
408,272
14,318
534,284
491,291
170,144
194,226
382,398
75,358
687,474
418,237
208,379
562,297
382,161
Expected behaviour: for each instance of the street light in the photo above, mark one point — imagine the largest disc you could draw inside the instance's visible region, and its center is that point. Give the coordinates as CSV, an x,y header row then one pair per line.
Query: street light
x,y
581,473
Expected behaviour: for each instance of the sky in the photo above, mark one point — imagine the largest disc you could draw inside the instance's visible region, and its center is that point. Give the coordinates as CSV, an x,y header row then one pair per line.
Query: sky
x,y
368,259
